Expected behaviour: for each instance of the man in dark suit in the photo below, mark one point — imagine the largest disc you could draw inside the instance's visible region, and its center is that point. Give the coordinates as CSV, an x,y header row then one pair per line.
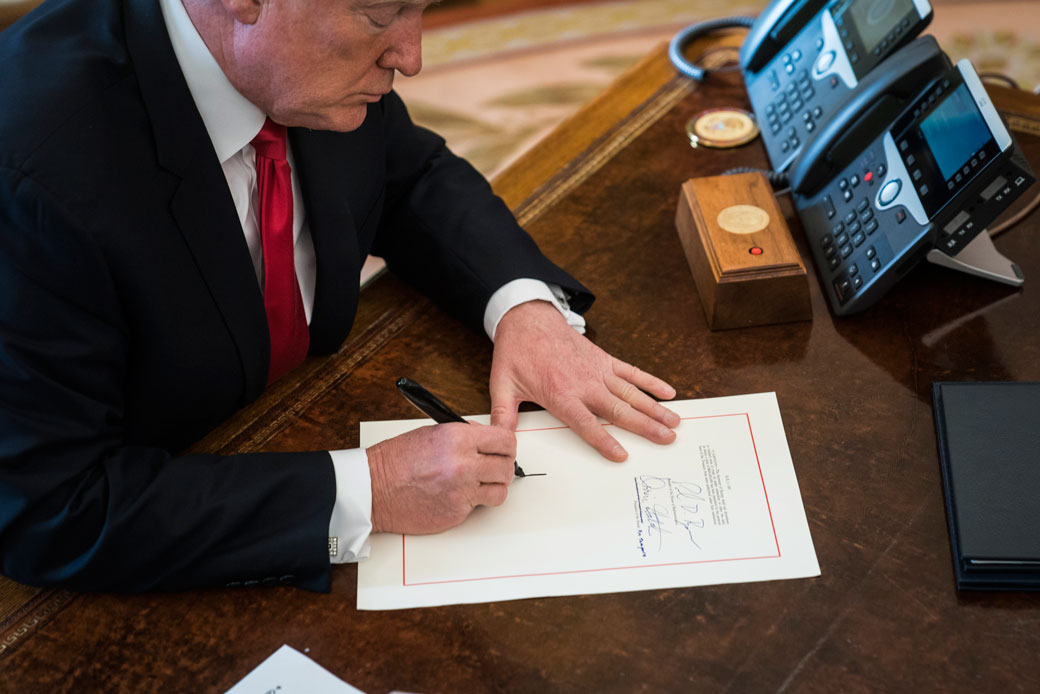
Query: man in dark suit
x,y
140,304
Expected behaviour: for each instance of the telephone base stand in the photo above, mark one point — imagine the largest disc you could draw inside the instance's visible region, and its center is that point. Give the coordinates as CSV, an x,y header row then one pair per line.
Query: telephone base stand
x,y
982,259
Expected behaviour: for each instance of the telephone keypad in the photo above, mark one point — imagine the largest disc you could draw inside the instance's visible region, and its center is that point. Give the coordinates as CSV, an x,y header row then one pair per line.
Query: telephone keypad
x,y
840,247
795,96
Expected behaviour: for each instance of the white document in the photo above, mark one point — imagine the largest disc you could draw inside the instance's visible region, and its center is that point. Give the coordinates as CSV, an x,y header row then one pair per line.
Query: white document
x,y
287,671
719,505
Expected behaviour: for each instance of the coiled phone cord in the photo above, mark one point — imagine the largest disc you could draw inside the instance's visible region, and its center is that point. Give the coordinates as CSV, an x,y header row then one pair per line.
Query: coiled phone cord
x,y
694,31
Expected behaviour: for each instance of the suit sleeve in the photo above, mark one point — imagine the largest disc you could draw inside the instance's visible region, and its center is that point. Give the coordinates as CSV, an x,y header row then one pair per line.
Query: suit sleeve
x,y
446,232
81,506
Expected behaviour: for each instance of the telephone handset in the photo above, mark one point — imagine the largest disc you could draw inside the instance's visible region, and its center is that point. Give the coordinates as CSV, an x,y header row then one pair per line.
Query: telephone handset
x,y
801,57
796,75
881,96
916,159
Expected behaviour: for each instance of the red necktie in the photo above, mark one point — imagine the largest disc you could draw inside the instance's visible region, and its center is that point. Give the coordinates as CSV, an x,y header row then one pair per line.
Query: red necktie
x,y
286,321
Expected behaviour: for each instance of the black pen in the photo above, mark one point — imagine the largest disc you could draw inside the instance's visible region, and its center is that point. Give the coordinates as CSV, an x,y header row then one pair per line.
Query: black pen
x,y
430,405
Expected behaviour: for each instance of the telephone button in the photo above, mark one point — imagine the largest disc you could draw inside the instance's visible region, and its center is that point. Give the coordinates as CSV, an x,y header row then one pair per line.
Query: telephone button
x,y
847,194
850,217
817,112
875,264
833,262
889,191
853,228
871,226
843,286
853,270
863,205
846,250
858,239
825,61
857,282
900,216
871,253
842,238
828,206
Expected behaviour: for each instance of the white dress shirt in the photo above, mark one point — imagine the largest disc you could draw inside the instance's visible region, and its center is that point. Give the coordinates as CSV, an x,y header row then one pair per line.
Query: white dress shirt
x,y
232,121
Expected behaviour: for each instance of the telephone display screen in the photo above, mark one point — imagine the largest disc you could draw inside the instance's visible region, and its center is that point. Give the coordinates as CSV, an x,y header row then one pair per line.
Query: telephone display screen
x,y
944,142
955,131
875,19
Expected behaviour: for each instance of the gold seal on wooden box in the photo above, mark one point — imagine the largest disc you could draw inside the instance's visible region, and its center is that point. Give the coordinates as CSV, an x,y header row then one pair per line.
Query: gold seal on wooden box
x,y
745,264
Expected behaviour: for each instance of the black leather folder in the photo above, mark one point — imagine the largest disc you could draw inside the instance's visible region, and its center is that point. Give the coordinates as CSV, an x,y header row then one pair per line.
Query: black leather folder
x,y
989,450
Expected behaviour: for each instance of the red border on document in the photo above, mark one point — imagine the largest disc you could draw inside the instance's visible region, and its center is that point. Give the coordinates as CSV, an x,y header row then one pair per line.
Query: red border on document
x,y
765,492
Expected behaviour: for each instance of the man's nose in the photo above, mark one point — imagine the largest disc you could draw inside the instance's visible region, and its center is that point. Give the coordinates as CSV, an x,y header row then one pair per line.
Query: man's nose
x,y
405,51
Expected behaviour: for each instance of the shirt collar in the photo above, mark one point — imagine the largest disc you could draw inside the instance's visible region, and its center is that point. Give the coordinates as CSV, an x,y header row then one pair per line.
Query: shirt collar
x,y
231,120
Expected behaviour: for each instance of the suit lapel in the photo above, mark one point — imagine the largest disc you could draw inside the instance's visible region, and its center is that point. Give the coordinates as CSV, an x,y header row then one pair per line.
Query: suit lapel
x,y
321,159
202,207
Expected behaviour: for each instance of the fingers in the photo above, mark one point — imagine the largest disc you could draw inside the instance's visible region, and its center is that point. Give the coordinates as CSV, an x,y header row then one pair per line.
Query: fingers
x,y
579,418
492,494
430,479
645,381
630,405
504,402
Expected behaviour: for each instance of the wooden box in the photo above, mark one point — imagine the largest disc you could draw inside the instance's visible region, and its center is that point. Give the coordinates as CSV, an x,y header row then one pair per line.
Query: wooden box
x,y
743,259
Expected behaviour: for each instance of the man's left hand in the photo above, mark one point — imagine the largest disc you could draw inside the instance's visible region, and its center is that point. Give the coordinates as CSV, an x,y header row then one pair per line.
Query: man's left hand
x,y
539,358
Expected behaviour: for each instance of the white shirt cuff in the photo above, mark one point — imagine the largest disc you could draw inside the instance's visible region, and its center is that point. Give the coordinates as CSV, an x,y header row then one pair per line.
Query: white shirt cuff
x,y
521,291
351,521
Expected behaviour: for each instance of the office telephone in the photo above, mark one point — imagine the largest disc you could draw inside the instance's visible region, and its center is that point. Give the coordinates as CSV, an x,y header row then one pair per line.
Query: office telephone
x,y
802,57
915,160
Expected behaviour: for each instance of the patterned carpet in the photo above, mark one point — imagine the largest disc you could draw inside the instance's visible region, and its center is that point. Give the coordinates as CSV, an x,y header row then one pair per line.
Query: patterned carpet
x,y
495,86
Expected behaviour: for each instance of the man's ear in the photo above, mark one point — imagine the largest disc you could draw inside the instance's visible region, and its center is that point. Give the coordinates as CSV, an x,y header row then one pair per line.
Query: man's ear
x,y
243,11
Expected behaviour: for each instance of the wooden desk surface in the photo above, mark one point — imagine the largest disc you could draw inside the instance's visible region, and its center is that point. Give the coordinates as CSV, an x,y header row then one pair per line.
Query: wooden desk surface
x,y
600,196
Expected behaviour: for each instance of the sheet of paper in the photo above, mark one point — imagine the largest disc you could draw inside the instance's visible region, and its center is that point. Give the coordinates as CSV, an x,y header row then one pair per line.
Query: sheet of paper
x,y
287,671
719,505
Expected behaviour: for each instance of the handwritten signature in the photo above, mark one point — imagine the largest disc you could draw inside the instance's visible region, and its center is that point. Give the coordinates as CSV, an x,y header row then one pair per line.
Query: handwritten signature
x,y
667,503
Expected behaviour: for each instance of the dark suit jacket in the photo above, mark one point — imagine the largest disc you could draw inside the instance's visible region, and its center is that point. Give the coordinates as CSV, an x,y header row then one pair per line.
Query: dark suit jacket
x,y
131,321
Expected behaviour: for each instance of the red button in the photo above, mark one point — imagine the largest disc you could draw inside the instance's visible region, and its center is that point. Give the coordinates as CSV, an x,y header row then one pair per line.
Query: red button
x,y
755,250
868,176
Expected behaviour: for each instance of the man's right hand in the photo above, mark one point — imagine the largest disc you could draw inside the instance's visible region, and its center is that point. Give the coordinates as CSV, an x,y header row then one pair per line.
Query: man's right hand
x,y
430,479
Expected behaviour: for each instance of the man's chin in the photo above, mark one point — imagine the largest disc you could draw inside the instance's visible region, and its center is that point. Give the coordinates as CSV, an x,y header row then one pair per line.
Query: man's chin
x,y
342,119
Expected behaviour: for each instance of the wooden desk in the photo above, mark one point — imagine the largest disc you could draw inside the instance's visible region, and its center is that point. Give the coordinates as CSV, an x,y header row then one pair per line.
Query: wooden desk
x,y
600,197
